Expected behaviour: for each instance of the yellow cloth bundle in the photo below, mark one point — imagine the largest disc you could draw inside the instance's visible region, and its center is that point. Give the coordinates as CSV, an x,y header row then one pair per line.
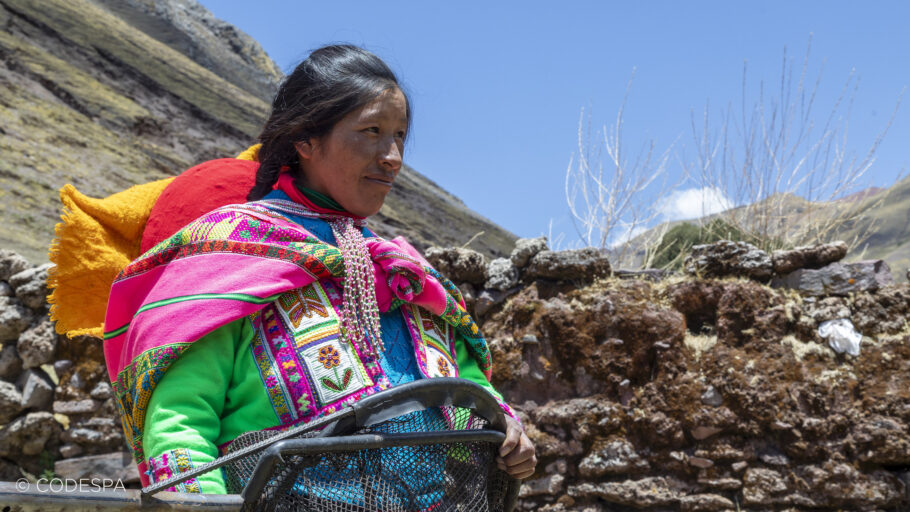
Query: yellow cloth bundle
x,y
97,238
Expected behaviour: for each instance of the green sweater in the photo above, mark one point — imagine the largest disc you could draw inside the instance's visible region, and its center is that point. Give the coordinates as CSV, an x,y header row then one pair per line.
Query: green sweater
x,y
213,393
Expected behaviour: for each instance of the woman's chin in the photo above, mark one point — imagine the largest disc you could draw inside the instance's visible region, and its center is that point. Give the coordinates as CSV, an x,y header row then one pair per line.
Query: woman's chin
x,y
366,210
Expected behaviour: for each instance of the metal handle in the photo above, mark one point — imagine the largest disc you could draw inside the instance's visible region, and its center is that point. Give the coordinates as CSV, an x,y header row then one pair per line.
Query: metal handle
x,y
420,395
407,398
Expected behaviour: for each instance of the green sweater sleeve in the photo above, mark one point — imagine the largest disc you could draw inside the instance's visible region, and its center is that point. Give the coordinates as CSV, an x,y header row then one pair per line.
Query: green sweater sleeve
x,y
183,420
470,370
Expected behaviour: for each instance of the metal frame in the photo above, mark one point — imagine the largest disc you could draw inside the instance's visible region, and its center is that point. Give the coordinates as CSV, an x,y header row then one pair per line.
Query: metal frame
x,y
335,436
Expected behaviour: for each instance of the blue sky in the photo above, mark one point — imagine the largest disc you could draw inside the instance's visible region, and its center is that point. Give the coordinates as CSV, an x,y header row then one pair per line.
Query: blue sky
x,y
497,87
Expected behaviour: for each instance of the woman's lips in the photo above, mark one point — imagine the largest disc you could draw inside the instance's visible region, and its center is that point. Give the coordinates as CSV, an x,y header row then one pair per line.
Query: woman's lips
x,y
380,180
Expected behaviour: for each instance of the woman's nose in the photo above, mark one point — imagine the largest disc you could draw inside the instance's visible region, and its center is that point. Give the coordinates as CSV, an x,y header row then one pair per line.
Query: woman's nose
x,y
391,155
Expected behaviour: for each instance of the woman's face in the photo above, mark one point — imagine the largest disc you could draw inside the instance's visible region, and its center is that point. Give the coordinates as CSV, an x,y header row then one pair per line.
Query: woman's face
x,y
357,161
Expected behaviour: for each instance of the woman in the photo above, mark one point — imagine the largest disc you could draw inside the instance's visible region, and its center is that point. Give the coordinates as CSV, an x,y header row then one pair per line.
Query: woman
x,y
282,310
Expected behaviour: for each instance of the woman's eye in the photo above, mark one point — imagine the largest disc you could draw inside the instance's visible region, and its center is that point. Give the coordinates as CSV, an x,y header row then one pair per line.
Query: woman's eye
x,y
400,134
372,129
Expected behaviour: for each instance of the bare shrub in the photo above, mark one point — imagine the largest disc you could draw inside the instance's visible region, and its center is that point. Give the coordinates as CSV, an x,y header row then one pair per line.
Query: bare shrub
x,y
788,176
605,187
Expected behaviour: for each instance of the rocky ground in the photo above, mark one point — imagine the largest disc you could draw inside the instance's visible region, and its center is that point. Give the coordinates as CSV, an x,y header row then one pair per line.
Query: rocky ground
x,y
642,392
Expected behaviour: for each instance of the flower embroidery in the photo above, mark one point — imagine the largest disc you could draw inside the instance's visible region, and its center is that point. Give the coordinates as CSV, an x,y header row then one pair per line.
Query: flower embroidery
x,y
443,366
328,356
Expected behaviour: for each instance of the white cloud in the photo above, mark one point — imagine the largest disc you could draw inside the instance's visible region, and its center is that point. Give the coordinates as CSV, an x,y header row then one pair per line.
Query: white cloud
x,y
693,203
625,233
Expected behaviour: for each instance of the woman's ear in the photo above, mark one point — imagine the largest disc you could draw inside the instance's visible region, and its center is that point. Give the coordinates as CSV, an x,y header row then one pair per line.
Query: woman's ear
x,y
304,149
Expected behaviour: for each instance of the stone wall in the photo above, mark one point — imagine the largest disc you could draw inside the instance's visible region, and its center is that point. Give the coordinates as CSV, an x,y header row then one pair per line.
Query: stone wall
x,y
689,393
648,391
56,405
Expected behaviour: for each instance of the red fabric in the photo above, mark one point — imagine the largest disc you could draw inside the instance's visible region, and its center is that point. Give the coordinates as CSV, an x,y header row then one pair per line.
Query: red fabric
x,y
197,191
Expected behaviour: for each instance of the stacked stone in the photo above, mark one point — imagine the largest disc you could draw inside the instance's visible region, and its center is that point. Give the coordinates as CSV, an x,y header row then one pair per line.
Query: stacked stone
x,y
627,412
485,285
814,271
52,410
27,377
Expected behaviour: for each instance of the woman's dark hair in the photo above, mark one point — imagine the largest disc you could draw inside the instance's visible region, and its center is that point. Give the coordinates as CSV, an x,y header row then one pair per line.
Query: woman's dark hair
x,y
332,82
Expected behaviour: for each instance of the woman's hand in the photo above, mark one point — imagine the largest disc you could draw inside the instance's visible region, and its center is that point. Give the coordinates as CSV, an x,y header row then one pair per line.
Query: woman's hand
x,y
516,455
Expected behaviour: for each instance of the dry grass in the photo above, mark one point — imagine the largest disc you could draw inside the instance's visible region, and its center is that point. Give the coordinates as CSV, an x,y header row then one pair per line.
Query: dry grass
x,y
699,343
802,349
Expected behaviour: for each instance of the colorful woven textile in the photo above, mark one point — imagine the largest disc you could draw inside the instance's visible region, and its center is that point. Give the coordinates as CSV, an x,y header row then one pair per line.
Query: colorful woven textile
x,y
229,264
98,237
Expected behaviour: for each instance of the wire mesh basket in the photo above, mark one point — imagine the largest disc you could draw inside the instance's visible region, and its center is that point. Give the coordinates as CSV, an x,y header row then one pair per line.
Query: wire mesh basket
x,y
429,445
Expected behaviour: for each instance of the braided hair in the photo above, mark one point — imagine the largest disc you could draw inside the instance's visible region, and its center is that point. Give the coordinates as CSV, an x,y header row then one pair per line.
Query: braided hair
x,y
331,83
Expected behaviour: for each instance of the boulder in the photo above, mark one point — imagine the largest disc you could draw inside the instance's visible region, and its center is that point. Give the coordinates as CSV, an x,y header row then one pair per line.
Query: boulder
x,y
11,263
611,457
826,308
843,486
37,390
68,451
114,466
712,397
883,311
726,258
6,290
14,318
550,485
73,407
458,264
31,286
838,279
92,437
763,487
97,435
815,256
647,492
501,274
831,486
76,381
648,274
583,265
10,364
527,248
62,365
704,503
102,391
10,402
28,435
37,345
882,440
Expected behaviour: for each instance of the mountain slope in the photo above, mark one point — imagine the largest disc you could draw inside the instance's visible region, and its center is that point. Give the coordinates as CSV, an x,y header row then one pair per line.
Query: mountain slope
x,y
876,225
887,222
88,97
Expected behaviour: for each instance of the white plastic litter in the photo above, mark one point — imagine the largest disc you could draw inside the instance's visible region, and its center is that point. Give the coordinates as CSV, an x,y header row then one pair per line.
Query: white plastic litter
x,y
841,336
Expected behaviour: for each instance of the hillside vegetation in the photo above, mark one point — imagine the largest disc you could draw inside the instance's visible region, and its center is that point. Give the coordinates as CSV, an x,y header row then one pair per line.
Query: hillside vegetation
x,y
90,99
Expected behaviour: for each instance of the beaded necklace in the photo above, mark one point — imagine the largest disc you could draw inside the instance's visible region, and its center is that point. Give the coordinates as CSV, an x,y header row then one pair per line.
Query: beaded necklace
x,y
360,311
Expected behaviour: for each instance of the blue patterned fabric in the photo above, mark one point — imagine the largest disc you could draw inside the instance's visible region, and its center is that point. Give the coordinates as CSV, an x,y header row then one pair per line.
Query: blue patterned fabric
x,y
398,360
400,366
